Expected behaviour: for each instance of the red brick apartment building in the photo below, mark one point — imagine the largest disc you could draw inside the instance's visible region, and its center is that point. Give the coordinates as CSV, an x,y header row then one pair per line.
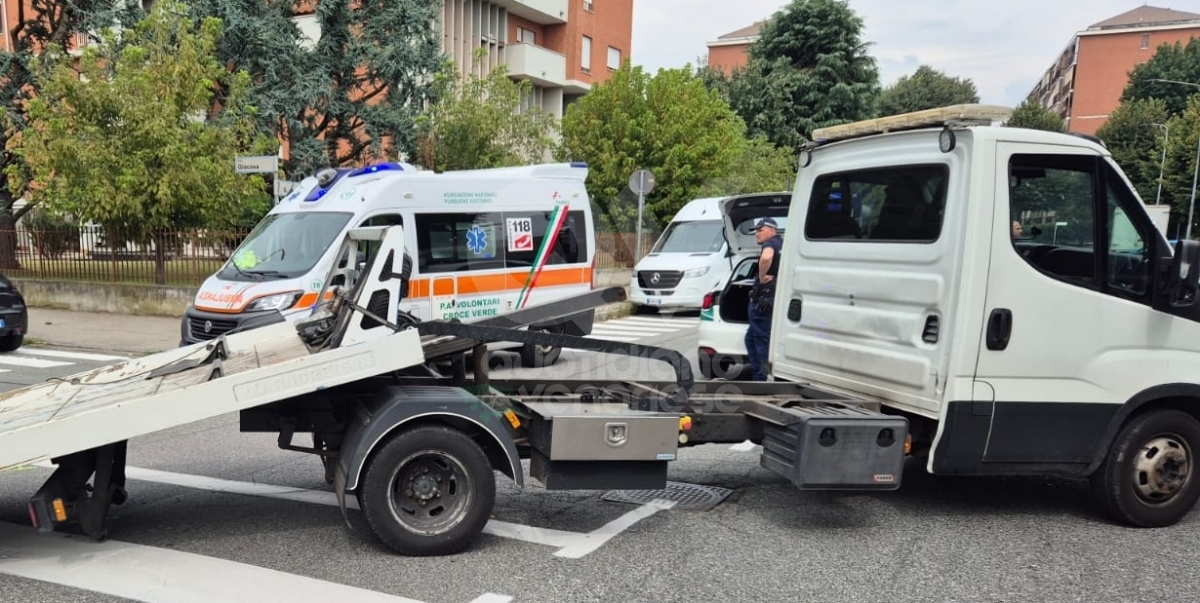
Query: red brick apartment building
x,y
730,51
561,46
1084,84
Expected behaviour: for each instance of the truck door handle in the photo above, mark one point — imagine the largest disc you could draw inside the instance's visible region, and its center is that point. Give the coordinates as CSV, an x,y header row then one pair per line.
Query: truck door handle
x,y
999,329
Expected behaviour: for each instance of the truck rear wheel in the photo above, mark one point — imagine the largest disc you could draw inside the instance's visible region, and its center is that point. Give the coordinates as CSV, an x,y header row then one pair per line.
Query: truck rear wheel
x,y
1149,478
428,491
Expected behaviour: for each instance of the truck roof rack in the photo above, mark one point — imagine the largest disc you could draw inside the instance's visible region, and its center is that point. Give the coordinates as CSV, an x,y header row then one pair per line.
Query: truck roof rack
x,y
967,114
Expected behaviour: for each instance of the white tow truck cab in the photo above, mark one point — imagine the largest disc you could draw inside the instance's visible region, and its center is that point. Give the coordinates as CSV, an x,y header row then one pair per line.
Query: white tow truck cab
x,y
1004,289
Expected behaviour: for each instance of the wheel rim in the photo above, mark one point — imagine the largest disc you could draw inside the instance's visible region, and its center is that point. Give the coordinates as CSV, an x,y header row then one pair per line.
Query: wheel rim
x,y
1161,469
430,492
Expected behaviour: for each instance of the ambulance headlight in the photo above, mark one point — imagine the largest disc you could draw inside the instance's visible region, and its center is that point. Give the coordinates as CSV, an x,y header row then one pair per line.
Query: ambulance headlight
x,y
694,272
279,302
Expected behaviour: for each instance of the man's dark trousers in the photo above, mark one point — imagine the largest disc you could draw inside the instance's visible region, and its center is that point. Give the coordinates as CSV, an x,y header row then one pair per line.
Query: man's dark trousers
x,y
758,335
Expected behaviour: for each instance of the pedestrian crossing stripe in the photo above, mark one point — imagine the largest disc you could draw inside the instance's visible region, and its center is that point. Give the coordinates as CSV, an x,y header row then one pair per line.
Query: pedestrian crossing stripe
x,y
37,358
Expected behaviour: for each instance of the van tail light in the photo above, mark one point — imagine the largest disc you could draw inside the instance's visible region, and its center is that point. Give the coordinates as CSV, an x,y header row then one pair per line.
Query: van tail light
x,y
709,299
595,256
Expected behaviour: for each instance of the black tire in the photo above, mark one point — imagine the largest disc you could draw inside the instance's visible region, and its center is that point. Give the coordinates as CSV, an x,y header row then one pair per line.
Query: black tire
x,y
454,474
537,356
1149,477
11,343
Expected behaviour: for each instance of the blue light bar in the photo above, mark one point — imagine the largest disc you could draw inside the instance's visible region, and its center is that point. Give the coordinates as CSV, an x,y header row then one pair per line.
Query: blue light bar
x,y
316,193
578,164
379,167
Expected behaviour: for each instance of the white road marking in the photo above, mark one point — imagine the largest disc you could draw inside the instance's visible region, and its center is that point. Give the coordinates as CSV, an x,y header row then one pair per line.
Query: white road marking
x,y
70,355
31,362
595,335
744,446
492,598
572,545
158,575
682,322
644,330
590,542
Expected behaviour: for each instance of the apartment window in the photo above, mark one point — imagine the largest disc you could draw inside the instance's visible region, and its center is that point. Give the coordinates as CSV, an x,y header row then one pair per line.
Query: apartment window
x,y
614,58
587,5
1145,41
526,36
586,60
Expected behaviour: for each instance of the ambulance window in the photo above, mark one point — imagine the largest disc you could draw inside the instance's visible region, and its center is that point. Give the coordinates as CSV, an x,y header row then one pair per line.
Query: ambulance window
x,y
371,247
459,242
526,231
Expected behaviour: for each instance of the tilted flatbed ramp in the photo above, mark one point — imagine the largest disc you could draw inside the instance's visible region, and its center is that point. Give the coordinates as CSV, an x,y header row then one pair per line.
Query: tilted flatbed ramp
x,y
182,386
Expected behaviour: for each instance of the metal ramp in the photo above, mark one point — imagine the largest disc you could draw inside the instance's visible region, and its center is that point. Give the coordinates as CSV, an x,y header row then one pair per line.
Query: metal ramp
x,y
177,387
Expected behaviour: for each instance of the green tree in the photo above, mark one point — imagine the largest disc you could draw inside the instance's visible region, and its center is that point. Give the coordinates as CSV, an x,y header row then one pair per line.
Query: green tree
x,y
352,95
1030,114
926,88
809,69
760,166
1169,62
1182,157
129,140
37,26
483,122
668,123
1134,134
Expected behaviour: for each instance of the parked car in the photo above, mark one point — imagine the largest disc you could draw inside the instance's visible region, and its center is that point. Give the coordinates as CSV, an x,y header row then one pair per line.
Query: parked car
x,y
14,318
724,313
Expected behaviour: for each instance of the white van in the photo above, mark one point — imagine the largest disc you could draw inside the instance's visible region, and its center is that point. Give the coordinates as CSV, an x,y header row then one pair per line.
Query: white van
x,y
689,259
479,239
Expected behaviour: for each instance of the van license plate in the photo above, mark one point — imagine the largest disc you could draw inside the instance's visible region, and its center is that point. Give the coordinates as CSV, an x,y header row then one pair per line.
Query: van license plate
x,y
653,301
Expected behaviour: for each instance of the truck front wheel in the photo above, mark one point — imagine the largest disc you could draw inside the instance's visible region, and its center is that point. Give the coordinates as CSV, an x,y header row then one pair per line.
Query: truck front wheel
x,y
428,491
1149,478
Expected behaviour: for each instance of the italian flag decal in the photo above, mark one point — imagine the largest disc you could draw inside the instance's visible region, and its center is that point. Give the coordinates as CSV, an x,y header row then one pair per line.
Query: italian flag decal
x,y
558,217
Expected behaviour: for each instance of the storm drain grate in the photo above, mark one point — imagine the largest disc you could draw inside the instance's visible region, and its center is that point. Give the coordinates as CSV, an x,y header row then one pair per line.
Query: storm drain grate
x,y
687,497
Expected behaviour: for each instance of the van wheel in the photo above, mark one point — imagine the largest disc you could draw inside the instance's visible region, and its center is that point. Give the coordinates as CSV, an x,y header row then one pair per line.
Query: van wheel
x,y
428,491
538,356
1149,477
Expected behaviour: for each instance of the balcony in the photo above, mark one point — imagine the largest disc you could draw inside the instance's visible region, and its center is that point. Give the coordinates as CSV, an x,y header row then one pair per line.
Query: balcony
x,y
541,66
545,12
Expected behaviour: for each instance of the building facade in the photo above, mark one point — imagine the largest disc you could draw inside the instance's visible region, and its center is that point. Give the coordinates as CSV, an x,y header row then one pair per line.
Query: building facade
x,y
1085,82
731,51
562,47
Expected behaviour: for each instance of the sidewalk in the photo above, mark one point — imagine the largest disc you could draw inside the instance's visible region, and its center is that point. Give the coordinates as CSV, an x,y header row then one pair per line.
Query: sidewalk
x,y
102,331
143,334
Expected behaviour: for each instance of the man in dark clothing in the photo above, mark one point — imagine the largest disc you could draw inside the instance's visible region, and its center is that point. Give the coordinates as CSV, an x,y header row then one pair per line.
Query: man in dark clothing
x,y
762,297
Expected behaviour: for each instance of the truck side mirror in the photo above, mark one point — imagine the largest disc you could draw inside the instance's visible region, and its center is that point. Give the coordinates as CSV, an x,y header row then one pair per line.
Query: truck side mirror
x,y
1183,280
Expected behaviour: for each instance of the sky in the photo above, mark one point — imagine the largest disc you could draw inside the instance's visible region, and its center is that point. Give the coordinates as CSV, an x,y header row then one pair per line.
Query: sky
x,y
1003,46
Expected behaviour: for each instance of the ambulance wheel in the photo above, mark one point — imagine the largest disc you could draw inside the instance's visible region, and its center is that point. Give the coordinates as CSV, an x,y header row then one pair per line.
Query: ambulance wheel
x,y
1149,478
538,356
428,491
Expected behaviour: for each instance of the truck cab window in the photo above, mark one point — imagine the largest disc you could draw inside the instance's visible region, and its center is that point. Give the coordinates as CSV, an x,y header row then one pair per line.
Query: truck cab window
x,y
1128,260
899,204
1052,197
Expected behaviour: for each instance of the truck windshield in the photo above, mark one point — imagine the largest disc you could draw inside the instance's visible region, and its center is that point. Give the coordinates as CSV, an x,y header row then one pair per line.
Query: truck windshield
x,y
284,246
701,236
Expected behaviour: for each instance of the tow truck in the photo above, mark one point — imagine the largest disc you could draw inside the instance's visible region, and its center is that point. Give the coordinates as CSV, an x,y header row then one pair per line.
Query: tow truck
x,y
874,360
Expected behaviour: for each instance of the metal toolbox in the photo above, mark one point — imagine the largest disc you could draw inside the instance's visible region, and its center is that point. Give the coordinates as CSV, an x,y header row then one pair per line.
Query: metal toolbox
x,y
602,432
834,447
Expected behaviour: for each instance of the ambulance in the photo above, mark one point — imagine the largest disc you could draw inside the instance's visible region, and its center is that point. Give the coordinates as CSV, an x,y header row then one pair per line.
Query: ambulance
x,y
483,242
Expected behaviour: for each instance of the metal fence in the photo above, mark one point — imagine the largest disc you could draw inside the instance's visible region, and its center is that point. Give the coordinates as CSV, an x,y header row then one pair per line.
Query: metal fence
x,y
188,257
91,254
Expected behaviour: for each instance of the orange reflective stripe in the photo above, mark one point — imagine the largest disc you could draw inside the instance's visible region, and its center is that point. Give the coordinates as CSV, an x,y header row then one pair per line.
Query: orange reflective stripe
x,y
492,283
